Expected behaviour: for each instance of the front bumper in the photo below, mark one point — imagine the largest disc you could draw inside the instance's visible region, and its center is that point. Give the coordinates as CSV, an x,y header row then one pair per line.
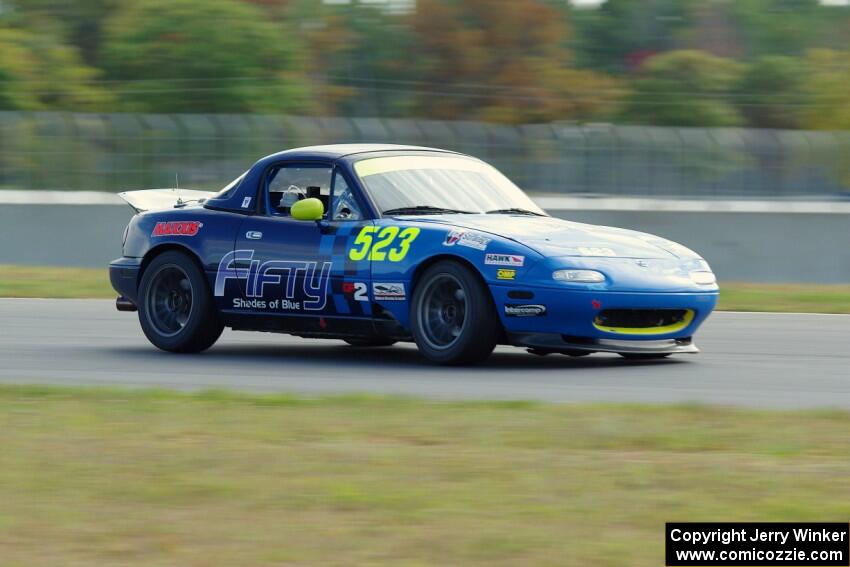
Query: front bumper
x,y
572,313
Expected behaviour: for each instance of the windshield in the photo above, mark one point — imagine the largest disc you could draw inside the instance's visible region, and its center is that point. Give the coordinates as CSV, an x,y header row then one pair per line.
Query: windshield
x,y
403,184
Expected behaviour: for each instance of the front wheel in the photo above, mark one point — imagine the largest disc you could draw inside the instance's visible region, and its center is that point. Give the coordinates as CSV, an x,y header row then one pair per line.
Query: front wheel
x,y
452,316
176,309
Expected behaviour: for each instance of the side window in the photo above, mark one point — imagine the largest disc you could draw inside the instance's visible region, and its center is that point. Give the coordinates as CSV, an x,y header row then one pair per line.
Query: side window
x,y
345,205
288,184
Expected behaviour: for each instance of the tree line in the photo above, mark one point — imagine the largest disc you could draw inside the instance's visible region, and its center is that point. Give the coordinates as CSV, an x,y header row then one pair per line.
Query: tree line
x,y
759,63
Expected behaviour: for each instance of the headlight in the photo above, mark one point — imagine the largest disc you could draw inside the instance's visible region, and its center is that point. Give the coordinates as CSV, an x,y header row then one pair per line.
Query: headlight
x,y
703,277
578,276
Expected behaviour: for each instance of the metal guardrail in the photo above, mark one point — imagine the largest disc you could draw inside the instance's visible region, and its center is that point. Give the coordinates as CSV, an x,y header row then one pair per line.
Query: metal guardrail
x,y
111,152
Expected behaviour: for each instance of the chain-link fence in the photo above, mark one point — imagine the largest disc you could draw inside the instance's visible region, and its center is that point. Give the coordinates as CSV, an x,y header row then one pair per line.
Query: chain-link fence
x,y
112,152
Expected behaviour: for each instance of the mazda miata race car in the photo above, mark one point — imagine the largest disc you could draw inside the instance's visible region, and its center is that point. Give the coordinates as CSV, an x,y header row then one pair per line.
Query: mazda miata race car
x,y
375,244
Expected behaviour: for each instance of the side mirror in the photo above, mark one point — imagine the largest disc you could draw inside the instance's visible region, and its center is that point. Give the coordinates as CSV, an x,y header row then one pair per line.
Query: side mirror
x,y
307,209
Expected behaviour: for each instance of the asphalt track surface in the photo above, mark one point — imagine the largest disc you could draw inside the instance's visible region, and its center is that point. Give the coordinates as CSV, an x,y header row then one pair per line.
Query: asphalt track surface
x,y
748,359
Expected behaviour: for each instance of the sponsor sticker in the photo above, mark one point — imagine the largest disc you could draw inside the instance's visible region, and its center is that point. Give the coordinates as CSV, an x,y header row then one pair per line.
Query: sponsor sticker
x,y
525,310
246,202
274,285
388,291
177,228
505,274
468,239
504,260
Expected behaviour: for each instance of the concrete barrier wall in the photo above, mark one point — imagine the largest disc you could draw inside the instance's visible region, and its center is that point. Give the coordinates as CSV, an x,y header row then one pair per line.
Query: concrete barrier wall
x,y
740,246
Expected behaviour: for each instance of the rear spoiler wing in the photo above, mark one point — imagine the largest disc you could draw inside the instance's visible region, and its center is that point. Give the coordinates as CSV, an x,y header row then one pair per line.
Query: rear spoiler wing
x,y
156,199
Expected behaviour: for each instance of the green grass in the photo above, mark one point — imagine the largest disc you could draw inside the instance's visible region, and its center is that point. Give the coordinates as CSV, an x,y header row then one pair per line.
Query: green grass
x,y
40,281
154,478
26,281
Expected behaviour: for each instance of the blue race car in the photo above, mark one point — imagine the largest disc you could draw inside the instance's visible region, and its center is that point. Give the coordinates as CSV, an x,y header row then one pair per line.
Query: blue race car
x,y
375,244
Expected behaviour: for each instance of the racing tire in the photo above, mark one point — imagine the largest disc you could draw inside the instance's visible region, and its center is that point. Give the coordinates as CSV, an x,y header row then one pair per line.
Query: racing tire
x,y
176,308
369,342
643,356
452,315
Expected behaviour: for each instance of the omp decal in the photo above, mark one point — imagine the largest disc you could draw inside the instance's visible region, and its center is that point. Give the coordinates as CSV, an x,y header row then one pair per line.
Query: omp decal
x,y
357,290
591,251
388,291
504,260
468,239
285,273
246,202
177,228
379,244
505,274
525,310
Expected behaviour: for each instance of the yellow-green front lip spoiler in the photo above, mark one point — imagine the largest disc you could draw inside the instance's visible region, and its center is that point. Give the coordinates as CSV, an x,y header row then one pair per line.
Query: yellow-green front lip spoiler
x,y
645,331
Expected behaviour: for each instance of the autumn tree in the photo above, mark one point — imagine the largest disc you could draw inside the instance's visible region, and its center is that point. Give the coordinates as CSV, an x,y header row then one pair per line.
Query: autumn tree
x,y
501,61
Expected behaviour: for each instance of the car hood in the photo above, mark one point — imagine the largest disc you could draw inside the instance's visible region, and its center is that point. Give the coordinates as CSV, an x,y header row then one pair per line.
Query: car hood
x,y
557,237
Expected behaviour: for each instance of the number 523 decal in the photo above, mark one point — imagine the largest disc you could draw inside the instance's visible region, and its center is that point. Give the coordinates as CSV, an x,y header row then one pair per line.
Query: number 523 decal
x,y
382,243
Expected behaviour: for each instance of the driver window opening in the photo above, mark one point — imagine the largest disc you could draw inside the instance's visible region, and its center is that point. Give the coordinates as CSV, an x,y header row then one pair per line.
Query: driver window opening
x,y
291,183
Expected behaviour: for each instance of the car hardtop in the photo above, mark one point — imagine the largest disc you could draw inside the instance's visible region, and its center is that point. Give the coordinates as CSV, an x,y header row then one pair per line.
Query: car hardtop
x,y
235,199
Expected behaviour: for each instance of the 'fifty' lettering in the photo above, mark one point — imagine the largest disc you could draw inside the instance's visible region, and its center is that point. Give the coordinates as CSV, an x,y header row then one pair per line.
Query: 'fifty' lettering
x,y
240,265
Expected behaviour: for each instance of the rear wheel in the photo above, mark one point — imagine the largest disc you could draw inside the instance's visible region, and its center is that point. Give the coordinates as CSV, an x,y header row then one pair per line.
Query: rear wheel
x,y
176,308
369,342
452,316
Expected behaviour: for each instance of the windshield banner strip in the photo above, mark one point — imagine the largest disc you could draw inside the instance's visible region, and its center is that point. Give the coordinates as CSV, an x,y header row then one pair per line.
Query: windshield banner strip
x,y
377,166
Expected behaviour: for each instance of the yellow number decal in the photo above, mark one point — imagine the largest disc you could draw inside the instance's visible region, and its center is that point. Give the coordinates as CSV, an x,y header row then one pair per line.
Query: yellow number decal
x,y
364,240
363,245
406,237
385,238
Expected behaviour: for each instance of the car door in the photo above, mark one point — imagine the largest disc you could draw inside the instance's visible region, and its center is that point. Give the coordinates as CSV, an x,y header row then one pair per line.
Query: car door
x,y
295,268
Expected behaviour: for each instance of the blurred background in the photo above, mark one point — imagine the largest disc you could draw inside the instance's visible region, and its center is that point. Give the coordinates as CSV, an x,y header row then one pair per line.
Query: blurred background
x,y
650,99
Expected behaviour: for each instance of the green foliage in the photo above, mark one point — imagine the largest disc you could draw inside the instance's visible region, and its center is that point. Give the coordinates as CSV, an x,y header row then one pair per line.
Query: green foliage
x,y
685,88
788,27
37,72
621,32
770,93
358,48
829,87
511,62
78,22
204,56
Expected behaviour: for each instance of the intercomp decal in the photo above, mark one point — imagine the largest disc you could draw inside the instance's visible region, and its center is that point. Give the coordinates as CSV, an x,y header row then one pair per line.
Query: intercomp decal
x,y
284,273
378,244
177,228
525,310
